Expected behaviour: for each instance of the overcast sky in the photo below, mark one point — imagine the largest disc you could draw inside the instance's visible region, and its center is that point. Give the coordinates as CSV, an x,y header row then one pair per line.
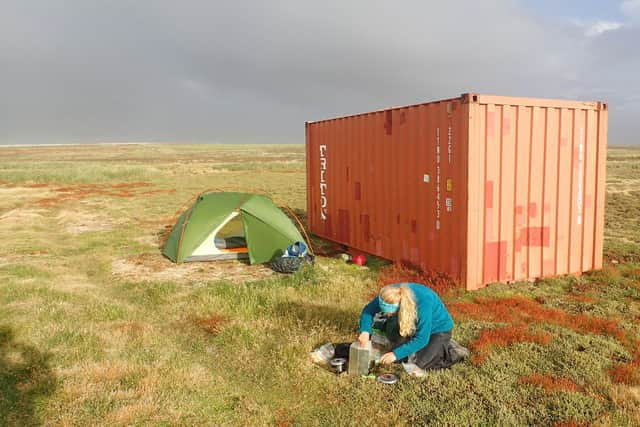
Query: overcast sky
x,y
254,71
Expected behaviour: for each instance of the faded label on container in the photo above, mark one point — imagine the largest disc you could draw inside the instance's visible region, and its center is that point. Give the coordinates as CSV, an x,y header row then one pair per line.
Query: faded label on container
x,y
449,204
580,177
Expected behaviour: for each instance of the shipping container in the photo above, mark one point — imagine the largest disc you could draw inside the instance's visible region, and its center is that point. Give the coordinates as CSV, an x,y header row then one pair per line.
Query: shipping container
x,y
482,188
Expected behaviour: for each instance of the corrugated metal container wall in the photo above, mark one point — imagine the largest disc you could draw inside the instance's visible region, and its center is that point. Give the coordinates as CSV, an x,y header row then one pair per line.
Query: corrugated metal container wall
x,y
482,188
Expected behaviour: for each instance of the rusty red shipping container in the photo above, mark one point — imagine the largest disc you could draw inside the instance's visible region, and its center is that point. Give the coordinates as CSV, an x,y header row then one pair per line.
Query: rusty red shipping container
x,y
483,188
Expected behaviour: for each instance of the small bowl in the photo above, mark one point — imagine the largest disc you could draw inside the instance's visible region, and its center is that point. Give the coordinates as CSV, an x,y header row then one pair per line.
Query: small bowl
x,y
337,363
387,379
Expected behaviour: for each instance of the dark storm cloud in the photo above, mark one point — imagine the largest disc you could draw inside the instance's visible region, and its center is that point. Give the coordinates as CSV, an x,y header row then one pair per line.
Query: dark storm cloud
x,y
254,71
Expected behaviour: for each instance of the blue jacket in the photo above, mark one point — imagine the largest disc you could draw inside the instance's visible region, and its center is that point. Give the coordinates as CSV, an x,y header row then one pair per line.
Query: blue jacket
x,y
432,315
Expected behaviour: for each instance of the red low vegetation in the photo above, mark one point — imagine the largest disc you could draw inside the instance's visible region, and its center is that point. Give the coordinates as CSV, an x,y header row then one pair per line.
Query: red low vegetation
x,y
489,338
403,272
525,310
521,311
627,373
82,191
284,418
129,185
212,324
597,326
512,309
550,383
327,248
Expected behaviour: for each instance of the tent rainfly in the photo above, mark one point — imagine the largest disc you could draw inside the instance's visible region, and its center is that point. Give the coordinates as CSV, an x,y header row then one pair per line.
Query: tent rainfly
x,y
229,225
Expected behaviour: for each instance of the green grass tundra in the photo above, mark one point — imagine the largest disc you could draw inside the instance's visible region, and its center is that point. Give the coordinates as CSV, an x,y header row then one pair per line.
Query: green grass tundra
x,y
97,328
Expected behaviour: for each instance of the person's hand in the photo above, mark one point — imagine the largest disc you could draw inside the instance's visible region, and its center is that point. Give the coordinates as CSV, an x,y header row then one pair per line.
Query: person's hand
x,y
388,358
363,338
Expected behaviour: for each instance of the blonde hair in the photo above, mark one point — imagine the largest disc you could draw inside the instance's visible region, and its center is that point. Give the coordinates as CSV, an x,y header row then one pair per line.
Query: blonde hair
x,y
407,312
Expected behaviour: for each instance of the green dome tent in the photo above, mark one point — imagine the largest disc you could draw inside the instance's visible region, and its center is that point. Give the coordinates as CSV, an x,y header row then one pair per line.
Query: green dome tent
x,y
230,226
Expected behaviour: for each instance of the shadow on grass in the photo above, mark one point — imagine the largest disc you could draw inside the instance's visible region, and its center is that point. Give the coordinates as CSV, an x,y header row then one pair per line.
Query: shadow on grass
x,y
316,315
25,377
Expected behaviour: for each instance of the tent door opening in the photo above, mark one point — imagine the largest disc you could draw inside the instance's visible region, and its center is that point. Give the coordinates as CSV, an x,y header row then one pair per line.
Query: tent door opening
x,y
227,241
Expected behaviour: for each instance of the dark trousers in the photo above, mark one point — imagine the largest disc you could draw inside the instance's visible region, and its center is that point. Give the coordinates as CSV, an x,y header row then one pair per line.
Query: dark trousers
x,y
435,355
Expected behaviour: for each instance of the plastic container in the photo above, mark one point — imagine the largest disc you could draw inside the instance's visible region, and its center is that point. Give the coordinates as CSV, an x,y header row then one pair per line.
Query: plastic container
x,y
359,358
323,354
360,260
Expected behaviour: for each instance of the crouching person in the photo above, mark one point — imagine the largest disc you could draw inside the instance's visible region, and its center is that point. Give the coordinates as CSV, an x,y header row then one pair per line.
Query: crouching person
x,y
418,326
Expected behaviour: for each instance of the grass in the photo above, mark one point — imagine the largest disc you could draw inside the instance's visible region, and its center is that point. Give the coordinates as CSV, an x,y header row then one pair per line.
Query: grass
x,y
96,328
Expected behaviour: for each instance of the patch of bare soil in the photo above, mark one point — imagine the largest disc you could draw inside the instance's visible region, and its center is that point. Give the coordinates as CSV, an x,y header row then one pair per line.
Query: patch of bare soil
x,y
73,283
156,268
22,257
152,241
22,214
78,222
15,201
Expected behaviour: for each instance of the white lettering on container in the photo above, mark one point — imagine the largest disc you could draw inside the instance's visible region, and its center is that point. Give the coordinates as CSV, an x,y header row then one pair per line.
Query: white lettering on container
x,y
438,179
323,183
450,144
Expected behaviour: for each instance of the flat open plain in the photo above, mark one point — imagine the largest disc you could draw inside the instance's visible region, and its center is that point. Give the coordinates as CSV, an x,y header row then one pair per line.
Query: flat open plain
x,y
97,328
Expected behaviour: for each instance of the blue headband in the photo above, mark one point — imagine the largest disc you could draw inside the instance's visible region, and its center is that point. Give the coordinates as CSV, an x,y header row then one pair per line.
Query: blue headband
x,y
385,307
